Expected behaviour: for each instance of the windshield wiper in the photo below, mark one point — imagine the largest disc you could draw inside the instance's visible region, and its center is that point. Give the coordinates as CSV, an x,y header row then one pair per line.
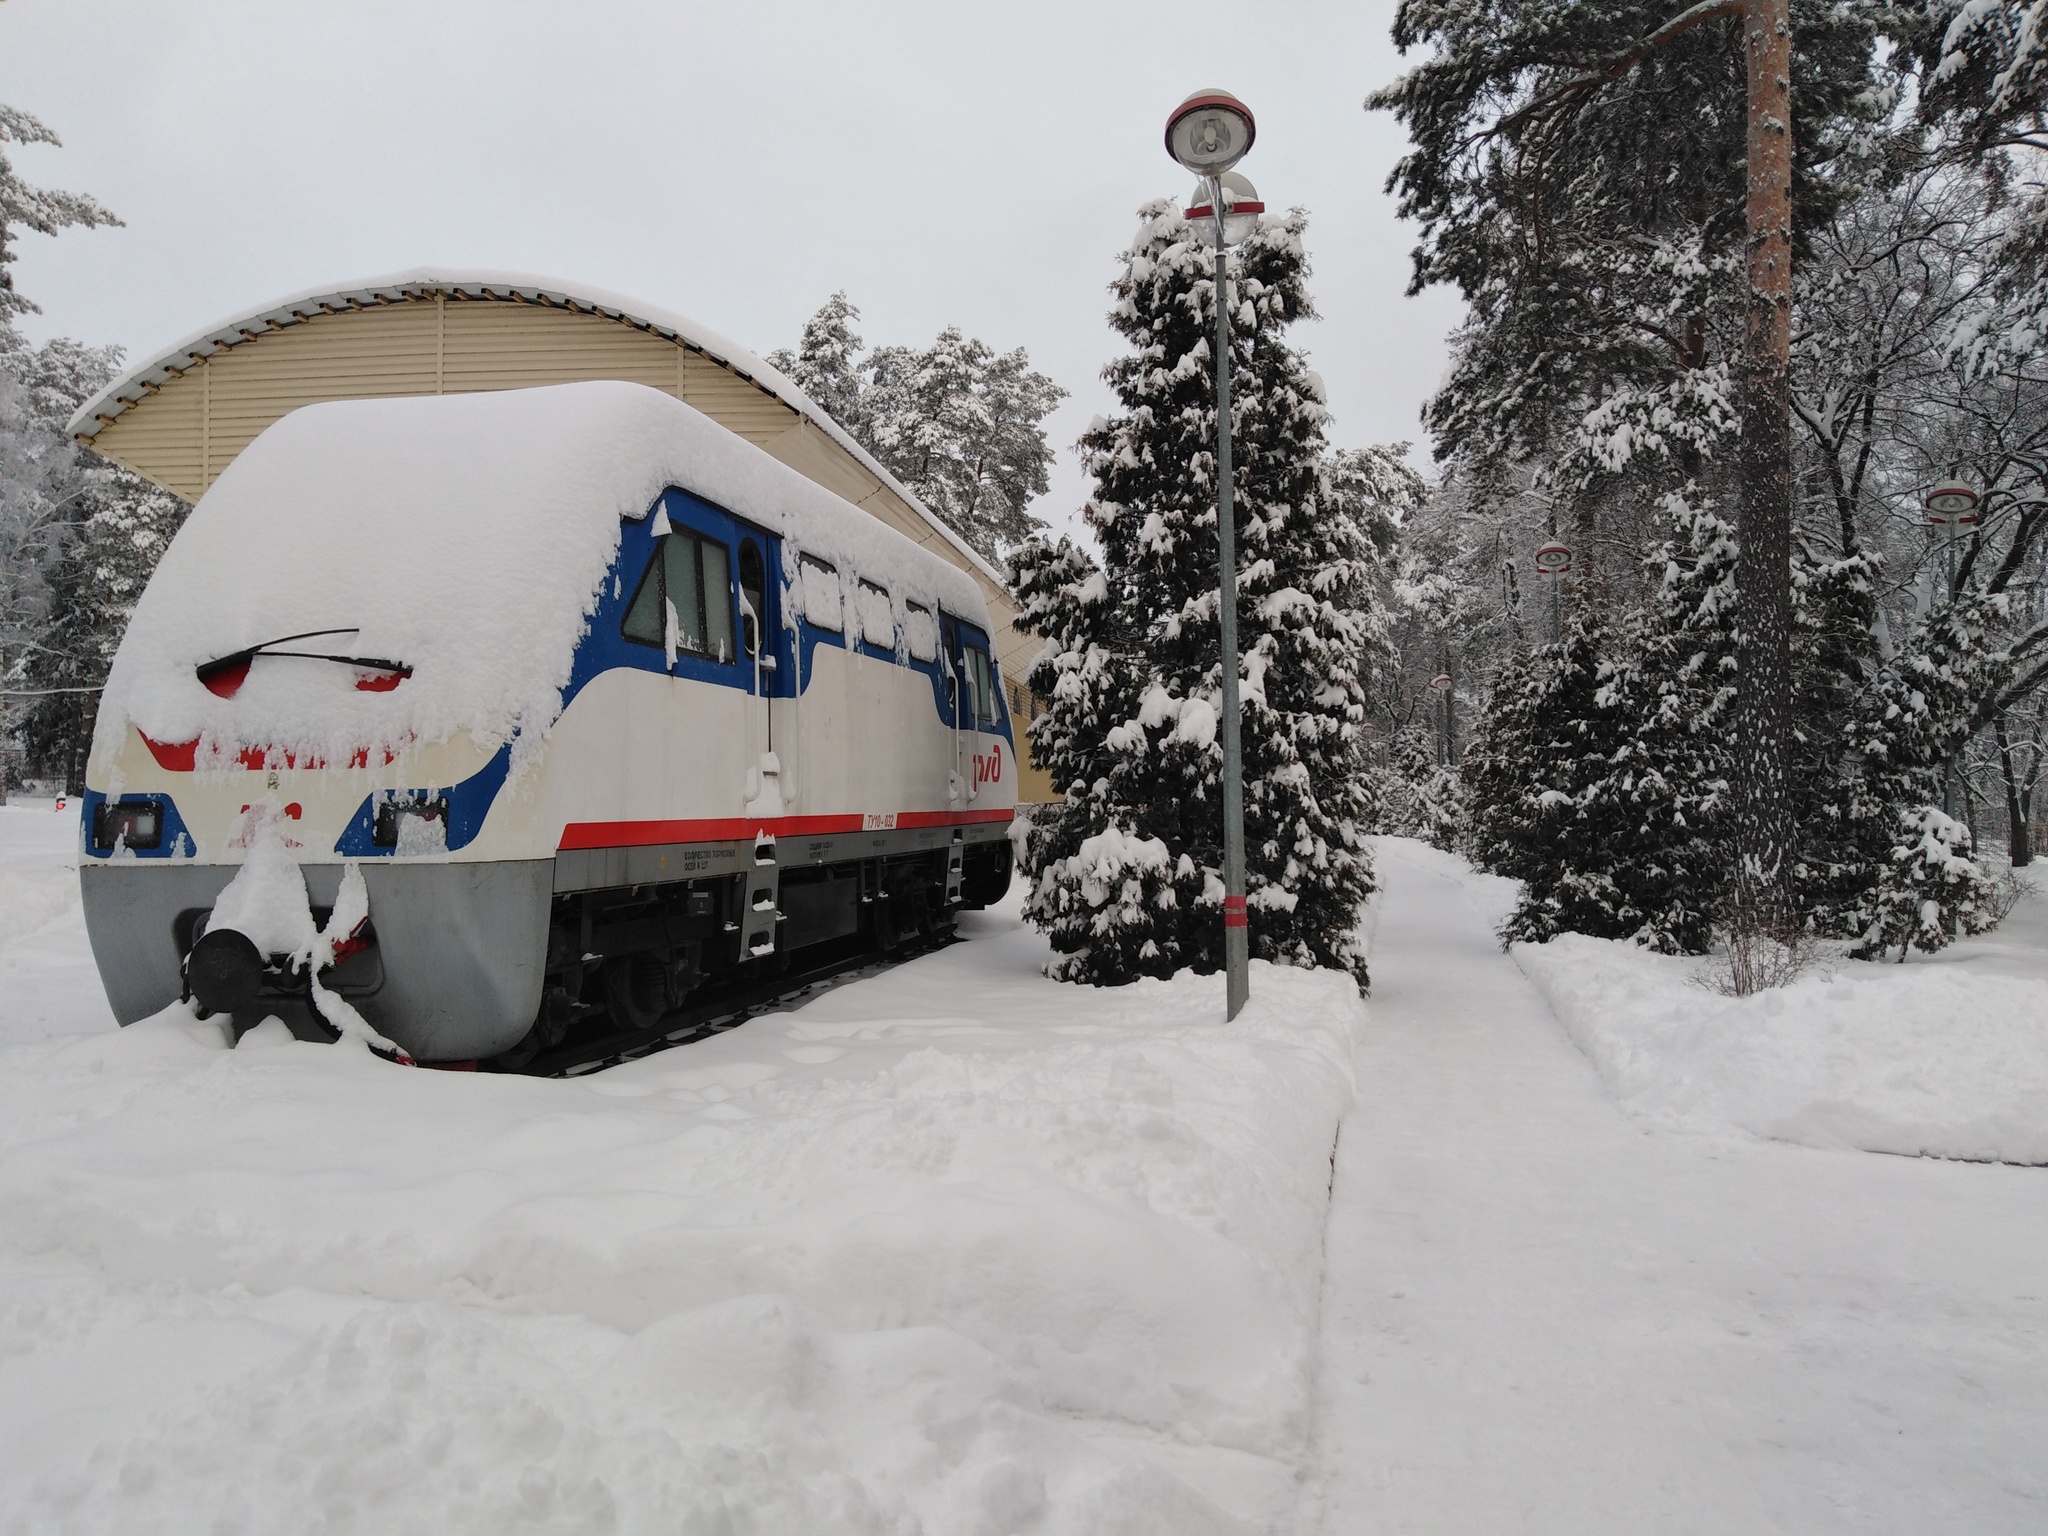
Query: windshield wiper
x,y
223,675
250,653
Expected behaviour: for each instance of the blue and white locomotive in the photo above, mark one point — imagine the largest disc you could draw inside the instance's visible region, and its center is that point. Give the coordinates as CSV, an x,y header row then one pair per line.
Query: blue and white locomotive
x,y
598,700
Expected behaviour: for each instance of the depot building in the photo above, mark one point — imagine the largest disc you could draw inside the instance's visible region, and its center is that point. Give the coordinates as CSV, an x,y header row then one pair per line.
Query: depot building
x,y
182,417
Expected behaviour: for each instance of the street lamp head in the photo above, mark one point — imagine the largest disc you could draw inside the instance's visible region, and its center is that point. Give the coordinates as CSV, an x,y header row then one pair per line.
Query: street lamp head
x,y
1210,132
1953,499
1241,207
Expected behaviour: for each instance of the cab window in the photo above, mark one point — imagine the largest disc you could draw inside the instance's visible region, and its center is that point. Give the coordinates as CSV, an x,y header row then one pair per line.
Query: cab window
x,y
691,578
981,686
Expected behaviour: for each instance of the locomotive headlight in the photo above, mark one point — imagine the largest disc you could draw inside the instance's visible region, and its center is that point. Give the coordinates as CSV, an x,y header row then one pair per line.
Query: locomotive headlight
x,y
128,824
416,815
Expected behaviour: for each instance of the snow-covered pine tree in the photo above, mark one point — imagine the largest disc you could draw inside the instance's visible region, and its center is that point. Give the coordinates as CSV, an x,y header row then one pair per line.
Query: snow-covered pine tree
x,y
1148,758
826,363
41,209
85,550
108,557
959,423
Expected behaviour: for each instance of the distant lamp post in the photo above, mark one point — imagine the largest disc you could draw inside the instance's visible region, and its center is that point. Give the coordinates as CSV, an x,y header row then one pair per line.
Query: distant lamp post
x,y
1953,501
1555,559
1208,134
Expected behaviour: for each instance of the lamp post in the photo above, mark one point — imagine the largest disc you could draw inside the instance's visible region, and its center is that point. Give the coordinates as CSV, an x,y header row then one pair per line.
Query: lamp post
x,y
1208,134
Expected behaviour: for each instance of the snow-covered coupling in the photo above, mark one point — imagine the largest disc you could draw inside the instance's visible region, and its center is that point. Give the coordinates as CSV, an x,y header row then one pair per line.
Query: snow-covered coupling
x,y
1125,868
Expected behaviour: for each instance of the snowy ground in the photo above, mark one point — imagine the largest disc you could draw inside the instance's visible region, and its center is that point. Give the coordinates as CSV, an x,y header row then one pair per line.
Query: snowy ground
x,y
1544,1314
959,1250
954,1249
1946,1055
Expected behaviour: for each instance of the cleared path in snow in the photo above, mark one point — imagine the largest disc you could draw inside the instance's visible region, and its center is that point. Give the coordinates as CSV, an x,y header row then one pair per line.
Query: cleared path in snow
x,y
1540,1317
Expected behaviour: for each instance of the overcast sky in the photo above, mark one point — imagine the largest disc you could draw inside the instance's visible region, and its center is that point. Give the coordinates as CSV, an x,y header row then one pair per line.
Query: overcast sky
x,y
976,165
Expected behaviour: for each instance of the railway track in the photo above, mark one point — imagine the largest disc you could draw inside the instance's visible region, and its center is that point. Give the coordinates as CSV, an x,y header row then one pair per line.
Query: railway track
x,y
718,1010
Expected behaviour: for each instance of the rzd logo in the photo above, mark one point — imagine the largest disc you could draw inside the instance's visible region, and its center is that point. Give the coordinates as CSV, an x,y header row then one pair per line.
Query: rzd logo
x,y
989,770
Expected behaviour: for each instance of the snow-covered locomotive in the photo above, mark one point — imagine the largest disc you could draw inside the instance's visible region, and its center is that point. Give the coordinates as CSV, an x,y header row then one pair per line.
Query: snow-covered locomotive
x,y
464,715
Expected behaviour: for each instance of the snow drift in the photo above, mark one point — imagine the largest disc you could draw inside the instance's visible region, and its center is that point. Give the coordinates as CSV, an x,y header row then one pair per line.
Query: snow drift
x,y
1933,1059
916,1257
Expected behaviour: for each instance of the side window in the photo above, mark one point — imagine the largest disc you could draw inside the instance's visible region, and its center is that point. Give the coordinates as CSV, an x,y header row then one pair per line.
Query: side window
x,y
821,593
921,632
877,625
685,595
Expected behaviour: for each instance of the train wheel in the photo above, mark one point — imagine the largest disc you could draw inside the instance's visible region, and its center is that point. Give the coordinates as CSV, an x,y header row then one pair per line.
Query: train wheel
x,y
636,990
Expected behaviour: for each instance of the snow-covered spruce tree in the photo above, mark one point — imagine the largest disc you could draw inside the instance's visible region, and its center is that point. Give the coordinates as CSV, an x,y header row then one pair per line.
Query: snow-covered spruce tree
x,y
1913,717
1534,780
1930,891
1599,772
1148,762
1422,796
1099,882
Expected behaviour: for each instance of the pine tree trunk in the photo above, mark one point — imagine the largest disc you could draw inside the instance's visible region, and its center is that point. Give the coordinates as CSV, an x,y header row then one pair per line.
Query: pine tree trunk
x,y
2018,842
1763,823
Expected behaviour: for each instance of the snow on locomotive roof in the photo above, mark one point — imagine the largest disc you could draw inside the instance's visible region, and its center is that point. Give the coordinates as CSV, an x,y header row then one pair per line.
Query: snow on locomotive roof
x,y
421,282
466,536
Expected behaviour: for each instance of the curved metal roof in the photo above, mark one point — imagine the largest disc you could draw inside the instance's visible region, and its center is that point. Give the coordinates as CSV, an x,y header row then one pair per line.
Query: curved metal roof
x,y
507,287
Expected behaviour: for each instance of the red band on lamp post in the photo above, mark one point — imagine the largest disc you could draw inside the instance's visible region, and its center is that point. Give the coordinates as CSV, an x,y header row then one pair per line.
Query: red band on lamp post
x,y
1234,913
